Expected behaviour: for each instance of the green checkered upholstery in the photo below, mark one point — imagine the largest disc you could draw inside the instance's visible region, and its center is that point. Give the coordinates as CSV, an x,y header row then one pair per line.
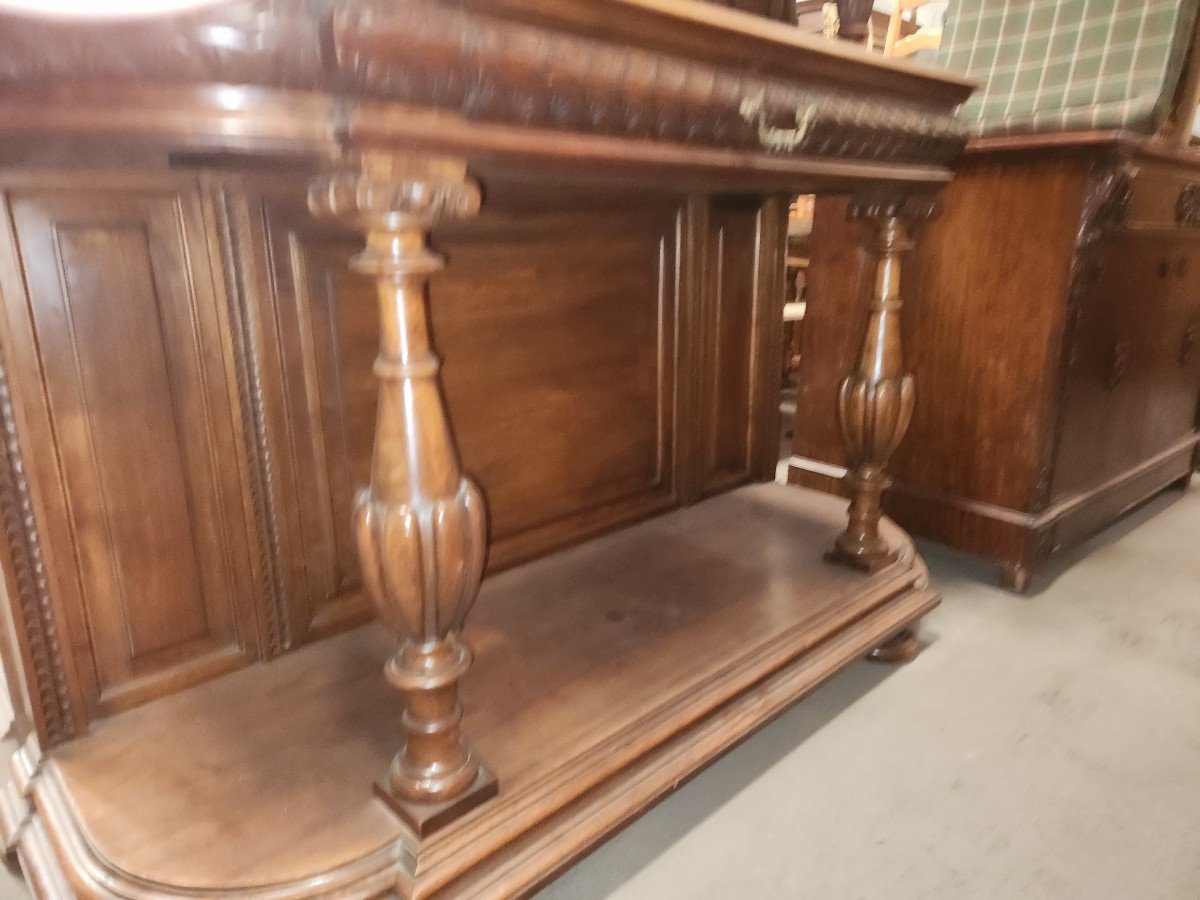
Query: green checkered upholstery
x,y
1067,65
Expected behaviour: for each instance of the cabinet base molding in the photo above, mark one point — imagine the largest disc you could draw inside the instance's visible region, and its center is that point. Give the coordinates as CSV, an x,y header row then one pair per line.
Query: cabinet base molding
x,y
1020,543
676,639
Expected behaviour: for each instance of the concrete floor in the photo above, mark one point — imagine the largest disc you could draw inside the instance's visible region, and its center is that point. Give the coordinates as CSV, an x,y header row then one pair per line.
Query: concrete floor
x,y
1042,747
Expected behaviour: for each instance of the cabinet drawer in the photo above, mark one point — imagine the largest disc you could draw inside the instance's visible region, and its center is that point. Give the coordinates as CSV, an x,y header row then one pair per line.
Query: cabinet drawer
x,y
1134,371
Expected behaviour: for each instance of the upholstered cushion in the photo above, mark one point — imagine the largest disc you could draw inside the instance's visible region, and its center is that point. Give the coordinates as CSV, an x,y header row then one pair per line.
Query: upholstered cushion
x,y
1067,65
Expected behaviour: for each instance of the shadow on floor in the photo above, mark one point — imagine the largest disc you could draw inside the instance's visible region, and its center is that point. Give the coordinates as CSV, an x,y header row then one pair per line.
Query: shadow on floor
x,y
643,842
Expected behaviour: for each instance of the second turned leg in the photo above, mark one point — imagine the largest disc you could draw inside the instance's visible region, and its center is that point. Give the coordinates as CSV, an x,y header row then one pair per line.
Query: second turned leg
x,y
875,402
420,523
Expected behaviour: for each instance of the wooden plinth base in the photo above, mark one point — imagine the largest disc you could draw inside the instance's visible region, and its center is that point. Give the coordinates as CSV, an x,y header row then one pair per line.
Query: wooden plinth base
x,y
839,557
605,676
426,818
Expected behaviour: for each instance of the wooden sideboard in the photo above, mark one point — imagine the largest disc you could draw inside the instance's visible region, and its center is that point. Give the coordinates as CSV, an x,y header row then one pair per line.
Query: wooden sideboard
x,y
1054,339
315,316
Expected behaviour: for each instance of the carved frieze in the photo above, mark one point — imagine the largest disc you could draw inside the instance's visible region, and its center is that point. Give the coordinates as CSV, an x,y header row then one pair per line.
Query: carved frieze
x,y
485,67
492,69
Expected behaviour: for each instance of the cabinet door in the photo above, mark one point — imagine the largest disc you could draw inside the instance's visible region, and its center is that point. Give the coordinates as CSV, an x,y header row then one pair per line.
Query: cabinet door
x,y
119,353
1181,347
1127,396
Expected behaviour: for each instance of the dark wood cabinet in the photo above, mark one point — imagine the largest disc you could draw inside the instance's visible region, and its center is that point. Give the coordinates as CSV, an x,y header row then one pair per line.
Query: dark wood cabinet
x,y
1054,345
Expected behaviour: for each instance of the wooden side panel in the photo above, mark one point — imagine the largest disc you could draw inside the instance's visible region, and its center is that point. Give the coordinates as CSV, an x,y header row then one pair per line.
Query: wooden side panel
x,y
742,293
986,337
556,323
139,455
983,330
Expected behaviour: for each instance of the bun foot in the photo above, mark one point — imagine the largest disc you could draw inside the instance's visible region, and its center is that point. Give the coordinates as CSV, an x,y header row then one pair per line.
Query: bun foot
x,y
1015,577
899,648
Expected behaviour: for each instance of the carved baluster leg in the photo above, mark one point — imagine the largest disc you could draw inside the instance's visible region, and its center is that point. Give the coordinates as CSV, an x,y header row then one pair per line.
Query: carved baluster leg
x,y
420,524
854,20
876,400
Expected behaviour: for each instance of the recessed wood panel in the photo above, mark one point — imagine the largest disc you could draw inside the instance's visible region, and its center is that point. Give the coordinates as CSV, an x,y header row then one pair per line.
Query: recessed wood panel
x,y
559,357
128,351
556,323
727,336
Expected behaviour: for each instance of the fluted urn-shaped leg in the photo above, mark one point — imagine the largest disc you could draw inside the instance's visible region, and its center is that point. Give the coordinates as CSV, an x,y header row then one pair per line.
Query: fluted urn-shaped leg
x,y
420,523
854,17
875,402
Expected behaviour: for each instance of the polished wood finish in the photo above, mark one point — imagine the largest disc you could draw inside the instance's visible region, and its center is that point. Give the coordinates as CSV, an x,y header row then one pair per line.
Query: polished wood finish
x,y
739,575
189,404
1074,369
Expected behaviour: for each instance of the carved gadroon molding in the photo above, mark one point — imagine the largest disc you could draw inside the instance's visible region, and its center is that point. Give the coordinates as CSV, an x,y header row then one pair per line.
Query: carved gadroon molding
x,y
498,70
36,620
262,475
420,526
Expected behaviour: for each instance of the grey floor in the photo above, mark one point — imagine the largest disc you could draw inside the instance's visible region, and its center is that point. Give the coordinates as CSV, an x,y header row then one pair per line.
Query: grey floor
x,y
1040,747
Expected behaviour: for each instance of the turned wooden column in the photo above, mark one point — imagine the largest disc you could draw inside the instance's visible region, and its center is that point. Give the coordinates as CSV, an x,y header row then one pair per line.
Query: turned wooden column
x,y
420,523
875,402
854,20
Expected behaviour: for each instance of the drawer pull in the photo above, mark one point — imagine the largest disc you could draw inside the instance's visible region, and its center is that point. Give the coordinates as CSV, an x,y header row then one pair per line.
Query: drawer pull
x,y
1191,336
1187,207
1117,365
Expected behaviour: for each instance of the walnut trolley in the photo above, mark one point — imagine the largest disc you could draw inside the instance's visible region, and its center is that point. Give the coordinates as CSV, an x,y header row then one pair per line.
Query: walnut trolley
x,y
364,367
